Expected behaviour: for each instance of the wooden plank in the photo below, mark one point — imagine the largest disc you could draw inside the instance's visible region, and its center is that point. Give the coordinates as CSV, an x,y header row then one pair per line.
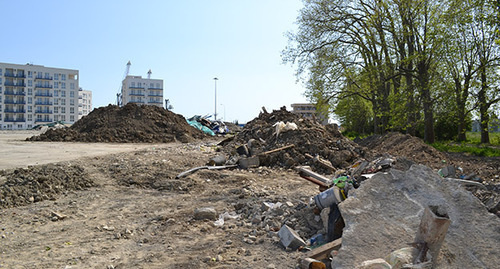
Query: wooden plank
x,y
322,252
278,149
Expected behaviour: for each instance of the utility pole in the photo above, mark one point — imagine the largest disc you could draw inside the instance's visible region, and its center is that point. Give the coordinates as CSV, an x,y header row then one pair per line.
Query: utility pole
x,y
215,114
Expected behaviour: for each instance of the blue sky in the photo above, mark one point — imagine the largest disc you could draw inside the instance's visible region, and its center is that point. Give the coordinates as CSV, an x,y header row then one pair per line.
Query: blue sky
x,y
186,43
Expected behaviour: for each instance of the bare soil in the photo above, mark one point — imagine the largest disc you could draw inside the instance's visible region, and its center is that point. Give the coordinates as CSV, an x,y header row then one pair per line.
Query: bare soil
x,y
127,209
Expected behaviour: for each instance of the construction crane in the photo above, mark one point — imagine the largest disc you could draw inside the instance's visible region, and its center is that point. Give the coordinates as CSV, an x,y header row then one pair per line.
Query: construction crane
x,y
119,100
149,74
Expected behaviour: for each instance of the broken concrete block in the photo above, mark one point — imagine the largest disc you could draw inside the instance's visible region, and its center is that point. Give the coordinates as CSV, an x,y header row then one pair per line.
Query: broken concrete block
x,y
384,214
289,238
250,162
205,213
374,264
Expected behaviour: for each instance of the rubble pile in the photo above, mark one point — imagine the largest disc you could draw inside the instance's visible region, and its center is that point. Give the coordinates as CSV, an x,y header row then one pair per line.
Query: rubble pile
x,y
128,124
37,183
304,138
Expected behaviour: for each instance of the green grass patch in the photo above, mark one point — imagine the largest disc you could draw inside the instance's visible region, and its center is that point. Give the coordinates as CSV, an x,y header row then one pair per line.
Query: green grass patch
x,y
475,138
471,149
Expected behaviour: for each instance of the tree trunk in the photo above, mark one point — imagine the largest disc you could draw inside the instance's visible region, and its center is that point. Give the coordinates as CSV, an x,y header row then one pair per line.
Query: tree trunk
x,y
483,105
423,76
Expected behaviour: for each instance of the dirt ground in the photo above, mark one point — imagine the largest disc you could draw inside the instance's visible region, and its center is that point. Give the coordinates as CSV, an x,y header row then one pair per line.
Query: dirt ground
x,y
137,215
114,205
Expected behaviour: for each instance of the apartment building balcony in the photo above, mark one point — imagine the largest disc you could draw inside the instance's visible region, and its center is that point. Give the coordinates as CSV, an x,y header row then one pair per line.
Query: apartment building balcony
x,y
10,110
43,120
14,120
43,78
12,75
155,102
136,94
43,111
45,103
14,102
136,87
155,94
43,86
155,89
43,94
12,84
137,102
14,93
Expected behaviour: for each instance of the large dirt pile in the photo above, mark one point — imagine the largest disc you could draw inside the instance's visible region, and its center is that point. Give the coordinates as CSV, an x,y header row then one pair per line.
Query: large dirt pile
x,y
28,185
406,146
310,138
128,124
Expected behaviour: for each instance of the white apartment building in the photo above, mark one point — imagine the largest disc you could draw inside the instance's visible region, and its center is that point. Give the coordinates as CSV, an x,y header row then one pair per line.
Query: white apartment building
x,y
84,102
35,94
142,91
308,110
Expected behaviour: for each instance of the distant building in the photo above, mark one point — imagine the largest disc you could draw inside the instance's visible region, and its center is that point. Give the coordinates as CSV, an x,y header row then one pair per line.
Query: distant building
x,y
84,102
493,125
308,110
35,94
142,91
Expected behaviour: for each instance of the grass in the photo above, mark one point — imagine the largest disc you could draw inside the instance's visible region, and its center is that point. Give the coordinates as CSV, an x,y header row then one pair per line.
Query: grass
x,y
475,138
476,150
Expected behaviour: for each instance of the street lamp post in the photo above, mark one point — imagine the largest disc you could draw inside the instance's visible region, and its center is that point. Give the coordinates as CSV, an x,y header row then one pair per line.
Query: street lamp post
x,y
215,114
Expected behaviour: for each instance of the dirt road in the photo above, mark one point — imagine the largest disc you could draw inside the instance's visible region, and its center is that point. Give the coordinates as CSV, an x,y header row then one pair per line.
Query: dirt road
x,y
16,152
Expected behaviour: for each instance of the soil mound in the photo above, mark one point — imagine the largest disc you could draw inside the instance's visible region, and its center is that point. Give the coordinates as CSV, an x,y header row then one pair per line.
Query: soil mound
x,y
406,146
309,138
128,124
28,185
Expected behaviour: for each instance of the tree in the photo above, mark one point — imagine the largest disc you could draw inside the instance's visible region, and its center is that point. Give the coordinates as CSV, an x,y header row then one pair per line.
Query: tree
x,y
484,35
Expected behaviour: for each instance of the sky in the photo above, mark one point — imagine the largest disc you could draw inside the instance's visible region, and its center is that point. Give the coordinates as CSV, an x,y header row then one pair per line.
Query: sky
x,y
186,43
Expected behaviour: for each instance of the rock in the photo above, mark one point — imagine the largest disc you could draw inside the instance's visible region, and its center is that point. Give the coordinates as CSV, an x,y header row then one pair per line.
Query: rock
x,y
374,264
204,213
289,238
384,213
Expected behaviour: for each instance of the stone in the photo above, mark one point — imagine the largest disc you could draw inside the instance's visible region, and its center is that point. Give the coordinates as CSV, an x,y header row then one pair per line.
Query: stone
x,y
384,213
374,264
205,213
289,238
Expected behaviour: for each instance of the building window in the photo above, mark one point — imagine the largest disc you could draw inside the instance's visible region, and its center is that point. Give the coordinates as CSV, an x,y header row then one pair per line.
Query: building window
x,y
71,102
139,84
56,76
30,74
71,118
56,101
56,93
63,93
30,117
63,102
0,89
30,83
63,117
30,100
63,76
72,110
72,85
56,85
63,110
157,85
30,109
0,71
56,109
151,85
72,94
132,84
47,75
63,85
